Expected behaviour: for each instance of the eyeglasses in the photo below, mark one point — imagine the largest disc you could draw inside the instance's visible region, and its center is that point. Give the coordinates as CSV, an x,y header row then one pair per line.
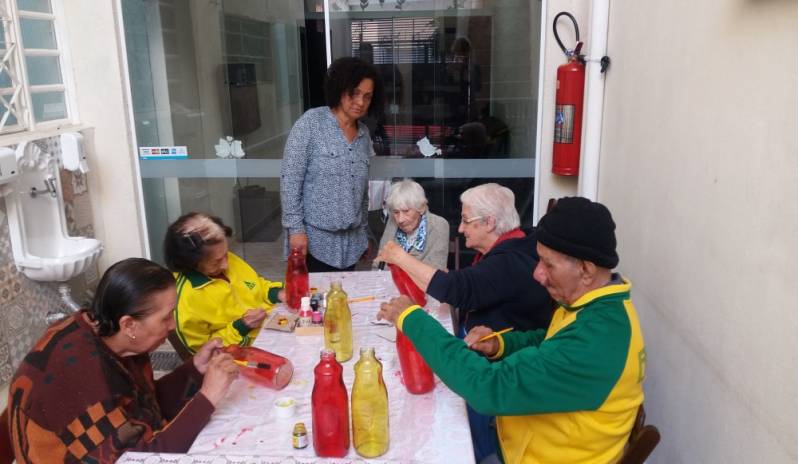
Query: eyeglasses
x,y
465,220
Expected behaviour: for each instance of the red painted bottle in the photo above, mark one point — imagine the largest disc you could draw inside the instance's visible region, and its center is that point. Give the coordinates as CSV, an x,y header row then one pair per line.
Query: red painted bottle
x,y
296,279
406,286
262,367
416,374
330,405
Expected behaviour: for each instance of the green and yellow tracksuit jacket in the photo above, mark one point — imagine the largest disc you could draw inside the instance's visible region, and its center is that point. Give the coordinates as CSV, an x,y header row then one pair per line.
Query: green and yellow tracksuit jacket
x,y
567,395
208,307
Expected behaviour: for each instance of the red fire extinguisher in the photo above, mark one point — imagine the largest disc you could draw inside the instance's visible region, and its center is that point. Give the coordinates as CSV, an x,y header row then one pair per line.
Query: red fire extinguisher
x,y
569,101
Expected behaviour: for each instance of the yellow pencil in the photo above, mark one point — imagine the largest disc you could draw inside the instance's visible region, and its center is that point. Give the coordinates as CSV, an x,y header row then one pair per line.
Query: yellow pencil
x,y
362,298
491,335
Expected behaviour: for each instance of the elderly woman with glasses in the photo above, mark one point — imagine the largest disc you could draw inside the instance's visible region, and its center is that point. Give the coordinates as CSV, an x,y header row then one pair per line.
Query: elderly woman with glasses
x,y
497,290
413,227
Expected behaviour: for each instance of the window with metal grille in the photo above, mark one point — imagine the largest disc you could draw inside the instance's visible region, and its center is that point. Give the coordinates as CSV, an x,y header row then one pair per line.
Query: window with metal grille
x,y
33,92
397,40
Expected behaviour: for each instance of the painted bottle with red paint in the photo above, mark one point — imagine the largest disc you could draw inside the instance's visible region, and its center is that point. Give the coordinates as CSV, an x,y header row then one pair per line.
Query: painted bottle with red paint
x,y
406,286
330,408
296,279
262,367
416,374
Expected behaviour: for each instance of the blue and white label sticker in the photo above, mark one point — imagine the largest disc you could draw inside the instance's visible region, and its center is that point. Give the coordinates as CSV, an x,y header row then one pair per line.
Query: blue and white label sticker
x,y
164,153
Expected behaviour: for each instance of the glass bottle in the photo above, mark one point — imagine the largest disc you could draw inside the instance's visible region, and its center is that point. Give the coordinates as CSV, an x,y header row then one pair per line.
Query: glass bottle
x,y
330,412
262,367
416,374
405,285
369,407
296,279
338,323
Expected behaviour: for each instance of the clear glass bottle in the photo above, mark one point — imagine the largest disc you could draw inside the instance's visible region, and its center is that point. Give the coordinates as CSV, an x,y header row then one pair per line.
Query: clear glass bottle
x,y
296,279
369,407
338,323
329,404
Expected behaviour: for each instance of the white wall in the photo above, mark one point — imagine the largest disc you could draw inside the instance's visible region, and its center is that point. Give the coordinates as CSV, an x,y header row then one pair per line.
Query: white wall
x,y
100,94
699,166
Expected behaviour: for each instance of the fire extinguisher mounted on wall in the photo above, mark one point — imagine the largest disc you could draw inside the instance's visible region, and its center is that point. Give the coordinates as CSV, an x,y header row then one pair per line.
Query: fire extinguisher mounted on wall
x,y
569,104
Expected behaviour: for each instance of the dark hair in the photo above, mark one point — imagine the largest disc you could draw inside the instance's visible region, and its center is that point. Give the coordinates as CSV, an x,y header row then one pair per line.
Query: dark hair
x,y
123,289
185,240
344,75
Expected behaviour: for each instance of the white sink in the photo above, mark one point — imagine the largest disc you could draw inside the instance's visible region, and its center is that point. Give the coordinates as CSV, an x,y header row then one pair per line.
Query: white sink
x,y
63,259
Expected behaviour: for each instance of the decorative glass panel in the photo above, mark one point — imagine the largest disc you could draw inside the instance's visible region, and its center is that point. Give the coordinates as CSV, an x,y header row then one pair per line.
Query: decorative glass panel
x,y
41,6
48,106
43,70
37,33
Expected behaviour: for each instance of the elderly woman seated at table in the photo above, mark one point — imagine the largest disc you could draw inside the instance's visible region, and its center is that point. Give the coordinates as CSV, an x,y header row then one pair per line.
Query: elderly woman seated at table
x,y
85,392
219,294
413,227
497,290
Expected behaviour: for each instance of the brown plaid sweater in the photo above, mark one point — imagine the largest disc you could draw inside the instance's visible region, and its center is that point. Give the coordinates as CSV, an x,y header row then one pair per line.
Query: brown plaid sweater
x,y
73,400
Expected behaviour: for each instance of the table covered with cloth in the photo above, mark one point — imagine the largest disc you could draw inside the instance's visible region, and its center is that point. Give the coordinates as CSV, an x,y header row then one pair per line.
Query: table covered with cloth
x,y
428,428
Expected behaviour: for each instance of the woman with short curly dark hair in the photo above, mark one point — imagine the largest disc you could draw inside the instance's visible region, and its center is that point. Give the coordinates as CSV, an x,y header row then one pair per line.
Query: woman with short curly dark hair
x,y
86,393
324,179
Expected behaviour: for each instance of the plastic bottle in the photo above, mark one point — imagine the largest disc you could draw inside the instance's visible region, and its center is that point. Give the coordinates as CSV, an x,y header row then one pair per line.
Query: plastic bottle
x,y
305,313
338,323
329,403
369,407
406,286
262,367
416,374
296,278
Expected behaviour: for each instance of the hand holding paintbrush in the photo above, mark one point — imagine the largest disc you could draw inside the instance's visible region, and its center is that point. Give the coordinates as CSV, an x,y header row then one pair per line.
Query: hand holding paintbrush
x,y
484,339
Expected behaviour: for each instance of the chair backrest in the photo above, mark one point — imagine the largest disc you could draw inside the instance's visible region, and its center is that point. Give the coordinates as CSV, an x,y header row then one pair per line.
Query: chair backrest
x,y
179,347
6,448
642,441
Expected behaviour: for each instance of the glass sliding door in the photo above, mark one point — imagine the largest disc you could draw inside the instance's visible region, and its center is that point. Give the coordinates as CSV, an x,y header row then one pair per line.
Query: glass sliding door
x,y
207,74
463,74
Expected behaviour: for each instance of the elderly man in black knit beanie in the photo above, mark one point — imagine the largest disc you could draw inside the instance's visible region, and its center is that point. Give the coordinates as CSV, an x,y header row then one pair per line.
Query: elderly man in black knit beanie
x,y
576,244
573,390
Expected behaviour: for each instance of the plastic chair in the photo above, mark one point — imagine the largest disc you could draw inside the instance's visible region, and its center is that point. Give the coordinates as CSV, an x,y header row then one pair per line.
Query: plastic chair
x,y
6,448
181,349
642,441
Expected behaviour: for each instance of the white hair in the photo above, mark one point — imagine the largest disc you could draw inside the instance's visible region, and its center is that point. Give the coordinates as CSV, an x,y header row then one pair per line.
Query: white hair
x,y
493,200
406,194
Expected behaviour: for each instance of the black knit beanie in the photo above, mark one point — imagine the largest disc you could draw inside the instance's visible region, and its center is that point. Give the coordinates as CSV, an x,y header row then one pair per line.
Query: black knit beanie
x,y
581,228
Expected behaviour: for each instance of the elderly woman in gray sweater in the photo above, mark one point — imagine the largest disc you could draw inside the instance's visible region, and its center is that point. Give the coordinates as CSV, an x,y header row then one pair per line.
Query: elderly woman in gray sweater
x,y
325,169
420,233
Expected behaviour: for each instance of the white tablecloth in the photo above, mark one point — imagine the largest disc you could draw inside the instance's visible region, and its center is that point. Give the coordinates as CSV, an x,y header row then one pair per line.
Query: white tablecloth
x,y
429,428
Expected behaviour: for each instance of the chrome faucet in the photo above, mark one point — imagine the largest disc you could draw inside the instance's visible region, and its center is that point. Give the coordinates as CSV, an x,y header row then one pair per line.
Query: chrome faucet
x,y
49,187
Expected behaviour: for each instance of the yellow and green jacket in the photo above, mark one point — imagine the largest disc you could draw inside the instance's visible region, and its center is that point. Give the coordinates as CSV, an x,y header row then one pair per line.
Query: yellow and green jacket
x,y
566,395
208,307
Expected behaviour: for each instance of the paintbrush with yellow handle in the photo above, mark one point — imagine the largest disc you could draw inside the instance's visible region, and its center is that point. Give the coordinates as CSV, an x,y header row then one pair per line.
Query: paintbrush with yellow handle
x,y
494,334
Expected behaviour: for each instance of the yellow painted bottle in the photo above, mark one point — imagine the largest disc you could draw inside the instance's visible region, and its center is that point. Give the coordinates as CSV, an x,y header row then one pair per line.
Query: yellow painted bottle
x,y
369,407
338,323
